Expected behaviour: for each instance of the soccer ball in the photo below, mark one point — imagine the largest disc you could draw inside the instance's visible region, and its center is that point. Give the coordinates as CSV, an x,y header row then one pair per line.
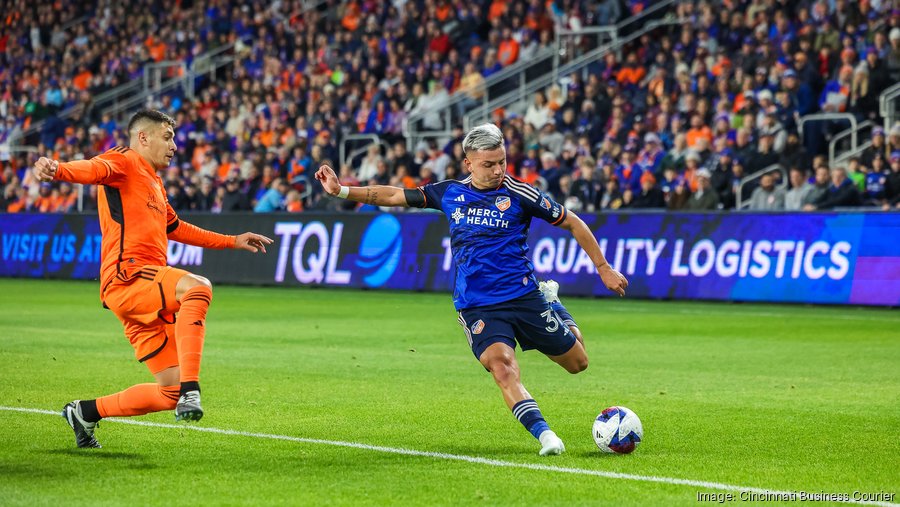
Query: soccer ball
x,y
617,430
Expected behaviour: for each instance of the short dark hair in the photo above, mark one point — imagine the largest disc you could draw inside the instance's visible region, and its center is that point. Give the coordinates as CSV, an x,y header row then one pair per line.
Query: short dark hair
x,y
150,115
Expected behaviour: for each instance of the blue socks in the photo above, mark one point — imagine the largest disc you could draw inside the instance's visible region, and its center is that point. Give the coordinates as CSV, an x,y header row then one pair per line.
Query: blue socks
x,y
563,313
528,413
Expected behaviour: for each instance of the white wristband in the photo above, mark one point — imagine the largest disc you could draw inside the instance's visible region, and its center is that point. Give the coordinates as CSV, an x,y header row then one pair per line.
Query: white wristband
x,y
345,191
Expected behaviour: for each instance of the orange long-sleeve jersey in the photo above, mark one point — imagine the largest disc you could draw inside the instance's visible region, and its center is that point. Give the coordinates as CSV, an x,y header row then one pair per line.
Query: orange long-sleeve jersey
x,y
136,219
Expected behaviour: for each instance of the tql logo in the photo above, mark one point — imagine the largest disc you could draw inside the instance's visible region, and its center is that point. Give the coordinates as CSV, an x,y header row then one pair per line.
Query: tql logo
x,y
379,251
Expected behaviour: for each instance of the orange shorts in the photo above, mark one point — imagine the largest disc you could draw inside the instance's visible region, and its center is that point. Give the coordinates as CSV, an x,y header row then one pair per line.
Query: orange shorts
x,y
146,306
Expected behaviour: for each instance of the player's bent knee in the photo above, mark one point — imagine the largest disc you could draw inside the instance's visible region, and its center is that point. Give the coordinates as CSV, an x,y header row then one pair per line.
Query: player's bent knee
x,y
578,365
504,372
190,281
198,281
168,377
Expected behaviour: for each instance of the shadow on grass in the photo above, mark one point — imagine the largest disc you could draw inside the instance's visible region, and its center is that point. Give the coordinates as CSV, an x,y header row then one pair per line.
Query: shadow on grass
x,y
597,454
128,459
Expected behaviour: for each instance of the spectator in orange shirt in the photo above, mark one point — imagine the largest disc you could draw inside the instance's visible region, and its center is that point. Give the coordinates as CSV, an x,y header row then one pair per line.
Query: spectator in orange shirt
x,y
44,202
402,178
496,10
697,131
82,80
266,134
508,51
200,151
631,72
350,20
657,84
66,198
157,50
443,11
19,202
225,166
692,165
293,203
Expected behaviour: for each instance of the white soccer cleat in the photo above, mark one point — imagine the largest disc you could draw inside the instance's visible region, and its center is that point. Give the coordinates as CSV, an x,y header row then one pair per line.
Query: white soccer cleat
x,y
188,407
551,444
550,290
84,431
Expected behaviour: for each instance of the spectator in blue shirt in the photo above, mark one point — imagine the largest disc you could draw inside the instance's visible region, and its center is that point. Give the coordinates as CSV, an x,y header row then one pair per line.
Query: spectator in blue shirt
x,y
273,199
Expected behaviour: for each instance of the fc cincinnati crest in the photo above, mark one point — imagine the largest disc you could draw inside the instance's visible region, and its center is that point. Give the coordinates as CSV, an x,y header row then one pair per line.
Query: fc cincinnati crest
x,y
478,327
502,203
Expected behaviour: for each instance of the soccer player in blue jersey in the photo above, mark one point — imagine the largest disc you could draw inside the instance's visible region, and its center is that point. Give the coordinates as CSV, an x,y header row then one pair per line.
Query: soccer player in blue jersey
x,y
497,296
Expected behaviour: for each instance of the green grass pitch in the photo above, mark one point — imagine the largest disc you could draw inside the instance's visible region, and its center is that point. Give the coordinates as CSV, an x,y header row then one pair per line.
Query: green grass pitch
x,y
782,398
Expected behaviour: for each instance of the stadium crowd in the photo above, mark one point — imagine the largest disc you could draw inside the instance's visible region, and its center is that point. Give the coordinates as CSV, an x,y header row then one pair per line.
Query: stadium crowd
x,y
674,123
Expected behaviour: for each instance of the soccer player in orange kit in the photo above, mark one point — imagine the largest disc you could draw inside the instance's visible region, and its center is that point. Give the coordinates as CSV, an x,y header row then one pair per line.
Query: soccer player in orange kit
x,y
136,283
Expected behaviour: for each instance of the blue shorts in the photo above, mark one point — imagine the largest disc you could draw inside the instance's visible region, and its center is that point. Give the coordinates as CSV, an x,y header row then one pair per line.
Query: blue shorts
x,y
528,320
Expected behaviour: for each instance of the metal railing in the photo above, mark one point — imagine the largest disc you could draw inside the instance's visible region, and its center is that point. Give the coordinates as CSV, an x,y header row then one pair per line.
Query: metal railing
x,y
355,138
206,64
126,95
853,133
514,76
826,117
572,44
887,106
517,78
611,32
156,73
136,100
845,157
482,113
739,202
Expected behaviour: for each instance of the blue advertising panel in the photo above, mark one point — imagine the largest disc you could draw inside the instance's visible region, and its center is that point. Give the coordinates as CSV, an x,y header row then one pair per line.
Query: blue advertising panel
x,y
833,258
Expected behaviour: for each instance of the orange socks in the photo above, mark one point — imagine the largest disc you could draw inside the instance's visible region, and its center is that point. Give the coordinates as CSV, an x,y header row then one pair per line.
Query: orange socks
x,y
190,328
138,400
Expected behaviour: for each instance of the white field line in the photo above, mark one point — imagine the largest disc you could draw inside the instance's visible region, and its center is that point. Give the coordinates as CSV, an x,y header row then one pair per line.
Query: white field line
x,y
751,313
458,457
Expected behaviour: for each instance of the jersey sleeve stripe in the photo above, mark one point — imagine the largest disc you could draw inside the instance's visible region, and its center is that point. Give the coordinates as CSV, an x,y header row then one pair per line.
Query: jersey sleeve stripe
x,y
521,188
423,197
108,167
521,192
525,188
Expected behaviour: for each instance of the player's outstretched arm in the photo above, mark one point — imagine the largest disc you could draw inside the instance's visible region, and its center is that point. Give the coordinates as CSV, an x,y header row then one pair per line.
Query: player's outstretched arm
x,y
613,280
190,234
251,242
88,172
379,195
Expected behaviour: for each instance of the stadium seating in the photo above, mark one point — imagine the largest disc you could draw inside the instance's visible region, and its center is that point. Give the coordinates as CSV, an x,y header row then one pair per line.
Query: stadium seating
x,y
718,96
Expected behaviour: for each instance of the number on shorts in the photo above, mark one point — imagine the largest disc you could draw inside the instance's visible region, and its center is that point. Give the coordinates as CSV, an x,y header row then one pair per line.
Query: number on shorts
x,y
552,320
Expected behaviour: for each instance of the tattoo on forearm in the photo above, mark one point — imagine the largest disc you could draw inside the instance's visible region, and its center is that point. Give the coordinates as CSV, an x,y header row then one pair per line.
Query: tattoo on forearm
x,y
371,196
